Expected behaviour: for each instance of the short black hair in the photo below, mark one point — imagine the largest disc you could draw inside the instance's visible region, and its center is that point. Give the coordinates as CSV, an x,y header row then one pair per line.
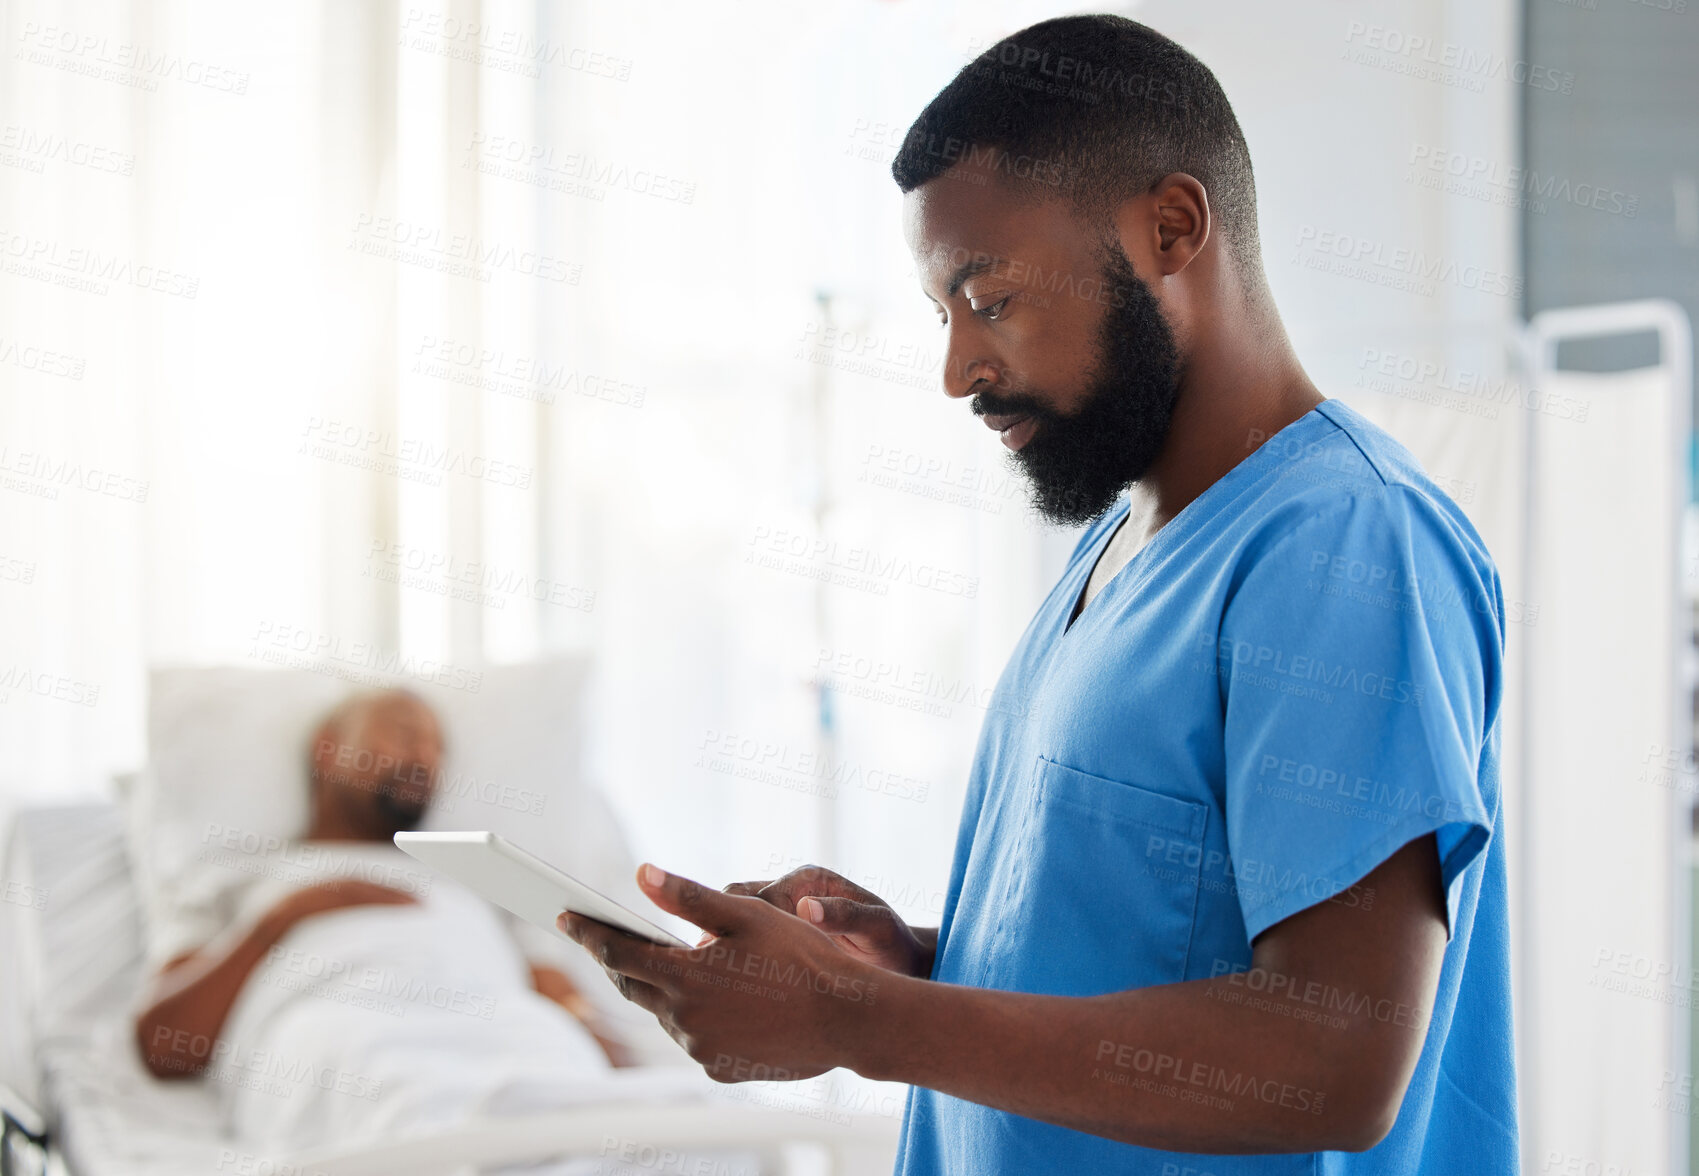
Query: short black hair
x,y
1095,108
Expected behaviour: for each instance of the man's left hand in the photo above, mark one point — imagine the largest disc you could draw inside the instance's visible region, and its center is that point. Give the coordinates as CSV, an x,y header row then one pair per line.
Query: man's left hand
x,y
768,997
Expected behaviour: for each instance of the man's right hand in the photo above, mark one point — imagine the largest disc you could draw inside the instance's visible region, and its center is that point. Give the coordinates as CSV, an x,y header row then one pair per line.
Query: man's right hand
x,y
861,923
192,995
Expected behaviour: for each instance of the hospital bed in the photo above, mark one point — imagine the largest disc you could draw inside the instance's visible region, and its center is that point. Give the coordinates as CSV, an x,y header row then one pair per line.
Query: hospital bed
x,y
76,1098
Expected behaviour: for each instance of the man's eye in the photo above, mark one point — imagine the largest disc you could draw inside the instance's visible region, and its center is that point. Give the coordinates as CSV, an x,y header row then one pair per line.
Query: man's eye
x,y
994,311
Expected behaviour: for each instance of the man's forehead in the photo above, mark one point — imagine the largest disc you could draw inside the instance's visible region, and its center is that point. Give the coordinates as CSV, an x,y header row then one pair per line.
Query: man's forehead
x,y
967,217
401,712
958,203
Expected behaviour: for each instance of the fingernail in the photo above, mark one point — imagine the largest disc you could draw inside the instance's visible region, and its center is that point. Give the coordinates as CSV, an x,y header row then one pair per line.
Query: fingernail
x,y
812,910
560,921
653,875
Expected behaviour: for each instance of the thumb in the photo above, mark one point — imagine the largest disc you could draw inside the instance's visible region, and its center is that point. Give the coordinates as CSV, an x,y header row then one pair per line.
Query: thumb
x,y
709,909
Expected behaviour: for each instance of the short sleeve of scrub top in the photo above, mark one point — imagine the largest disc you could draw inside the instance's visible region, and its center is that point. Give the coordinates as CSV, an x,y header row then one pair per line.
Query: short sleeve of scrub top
x,y
1355,700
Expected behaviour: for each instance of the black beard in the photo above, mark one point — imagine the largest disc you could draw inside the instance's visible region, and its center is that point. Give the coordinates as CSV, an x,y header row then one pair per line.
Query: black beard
x,y
1077,465
395,810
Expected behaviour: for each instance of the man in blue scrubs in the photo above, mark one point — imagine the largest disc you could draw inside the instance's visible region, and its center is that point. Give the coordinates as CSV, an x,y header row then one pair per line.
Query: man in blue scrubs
x,y
1228,895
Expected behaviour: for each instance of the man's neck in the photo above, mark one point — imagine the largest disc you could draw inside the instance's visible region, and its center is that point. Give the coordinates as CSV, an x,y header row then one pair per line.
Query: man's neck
x,y
1238,389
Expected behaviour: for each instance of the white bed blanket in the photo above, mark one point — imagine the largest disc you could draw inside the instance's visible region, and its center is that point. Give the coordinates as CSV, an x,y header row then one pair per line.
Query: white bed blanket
x,y
382,1021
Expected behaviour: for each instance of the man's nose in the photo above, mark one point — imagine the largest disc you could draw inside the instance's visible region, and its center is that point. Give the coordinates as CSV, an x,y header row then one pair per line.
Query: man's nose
x,y
966,368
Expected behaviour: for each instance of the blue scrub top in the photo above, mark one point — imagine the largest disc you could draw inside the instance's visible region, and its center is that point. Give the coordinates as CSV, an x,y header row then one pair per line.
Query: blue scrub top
x,y
1297,675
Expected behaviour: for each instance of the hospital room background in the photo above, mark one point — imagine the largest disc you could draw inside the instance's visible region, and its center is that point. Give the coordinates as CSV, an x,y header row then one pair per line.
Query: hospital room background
x,y
565,363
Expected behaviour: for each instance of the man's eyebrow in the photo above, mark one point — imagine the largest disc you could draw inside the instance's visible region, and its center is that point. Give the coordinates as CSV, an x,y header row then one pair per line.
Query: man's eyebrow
x,y
969,269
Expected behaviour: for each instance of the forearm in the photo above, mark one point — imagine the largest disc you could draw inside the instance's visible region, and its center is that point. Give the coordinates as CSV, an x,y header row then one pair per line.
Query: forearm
x,y
550,982
176,1032
1191,1067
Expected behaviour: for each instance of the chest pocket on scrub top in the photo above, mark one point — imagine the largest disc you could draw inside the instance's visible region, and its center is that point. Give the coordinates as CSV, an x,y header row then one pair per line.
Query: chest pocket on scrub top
x,y
1106,887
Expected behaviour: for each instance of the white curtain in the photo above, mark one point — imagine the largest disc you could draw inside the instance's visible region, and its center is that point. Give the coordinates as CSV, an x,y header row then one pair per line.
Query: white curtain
x,y
1605,973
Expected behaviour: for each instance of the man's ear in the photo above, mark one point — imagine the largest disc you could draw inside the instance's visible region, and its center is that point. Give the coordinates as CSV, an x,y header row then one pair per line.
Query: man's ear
x,y
1163,230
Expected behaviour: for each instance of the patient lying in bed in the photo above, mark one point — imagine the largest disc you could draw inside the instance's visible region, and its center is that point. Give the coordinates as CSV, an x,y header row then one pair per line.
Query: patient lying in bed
x,y
333,989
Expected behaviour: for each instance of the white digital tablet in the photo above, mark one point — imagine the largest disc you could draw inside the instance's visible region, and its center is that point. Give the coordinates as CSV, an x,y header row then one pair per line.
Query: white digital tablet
x,y
516,881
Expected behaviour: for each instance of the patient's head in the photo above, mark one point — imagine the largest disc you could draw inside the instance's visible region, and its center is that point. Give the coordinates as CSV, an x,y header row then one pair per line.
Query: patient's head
x,y
374,766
